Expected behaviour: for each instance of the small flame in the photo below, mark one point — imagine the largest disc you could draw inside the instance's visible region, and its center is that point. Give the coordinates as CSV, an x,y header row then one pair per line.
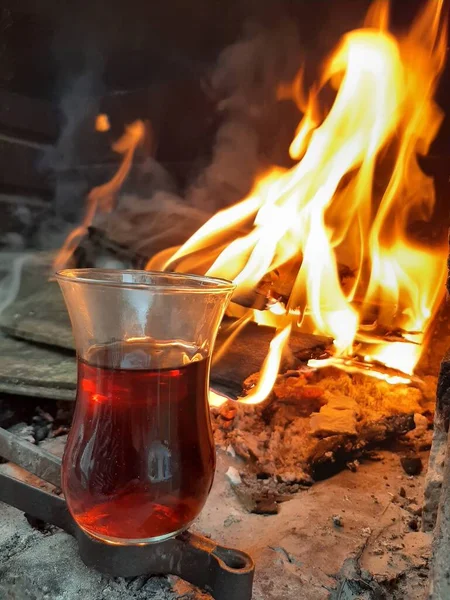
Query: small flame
x,y
102,198
269,371
348,201
366,367
102,123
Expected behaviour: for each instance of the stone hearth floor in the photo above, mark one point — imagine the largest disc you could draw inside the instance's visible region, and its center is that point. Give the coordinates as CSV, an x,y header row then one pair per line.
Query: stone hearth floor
x,y
354,535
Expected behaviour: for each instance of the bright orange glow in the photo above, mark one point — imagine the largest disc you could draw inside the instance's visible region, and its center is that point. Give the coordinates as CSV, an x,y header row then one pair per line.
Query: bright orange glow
x,y
348,201
102,123
102,198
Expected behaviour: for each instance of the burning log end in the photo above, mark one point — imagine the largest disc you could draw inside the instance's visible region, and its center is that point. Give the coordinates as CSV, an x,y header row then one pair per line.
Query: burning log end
x,y
276,286
255,299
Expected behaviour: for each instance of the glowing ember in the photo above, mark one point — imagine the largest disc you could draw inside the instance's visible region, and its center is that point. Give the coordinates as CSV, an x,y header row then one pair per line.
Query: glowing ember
x,y
102,123
327,212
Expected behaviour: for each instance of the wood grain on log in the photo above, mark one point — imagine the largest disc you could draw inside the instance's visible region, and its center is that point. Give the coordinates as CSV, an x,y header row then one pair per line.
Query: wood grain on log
x,y
247,352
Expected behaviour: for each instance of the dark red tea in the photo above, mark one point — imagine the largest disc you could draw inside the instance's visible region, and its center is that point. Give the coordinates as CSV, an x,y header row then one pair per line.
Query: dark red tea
x,y
140,462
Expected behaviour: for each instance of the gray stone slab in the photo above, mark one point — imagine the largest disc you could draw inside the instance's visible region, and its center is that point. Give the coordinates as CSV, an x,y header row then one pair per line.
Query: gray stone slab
x,y
22,274
440,566
38,371
436,465
39,317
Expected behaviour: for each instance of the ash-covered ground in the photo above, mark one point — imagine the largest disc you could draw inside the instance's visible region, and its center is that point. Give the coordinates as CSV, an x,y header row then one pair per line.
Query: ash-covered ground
x,y
356,533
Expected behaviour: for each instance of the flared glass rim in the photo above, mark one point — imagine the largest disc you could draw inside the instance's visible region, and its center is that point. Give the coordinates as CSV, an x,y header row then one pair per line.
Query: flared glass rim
x,y
160,281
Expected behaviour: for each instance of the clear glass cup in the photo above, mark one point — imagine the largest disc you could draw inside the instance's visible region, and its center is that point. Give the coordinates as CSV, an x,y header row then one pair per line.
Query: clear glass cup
x,y
139,461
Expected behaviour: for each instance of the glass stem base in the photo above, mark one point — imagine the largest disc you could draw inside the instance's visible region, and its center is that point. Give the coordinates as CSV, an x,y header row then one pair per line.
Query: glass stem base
x,y
134,542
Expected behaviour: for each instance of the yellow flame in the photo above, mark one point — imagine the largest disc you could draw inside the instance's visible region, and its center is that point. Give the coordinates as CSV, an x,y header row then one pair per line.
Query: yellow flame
x,y
216,399
102,198
366,367
232,332
348,202
269,369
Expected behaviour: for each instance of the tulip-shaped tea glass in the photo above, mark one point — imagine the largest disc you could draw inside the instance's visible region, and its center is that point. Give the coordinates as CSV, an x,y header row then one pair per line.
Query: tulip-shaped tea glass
x,y
140,460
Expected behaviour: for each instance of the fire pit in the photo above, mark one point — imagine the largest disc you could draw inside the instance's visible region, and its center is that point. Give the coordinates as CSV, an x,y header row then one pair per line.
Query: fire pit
x,y
324,380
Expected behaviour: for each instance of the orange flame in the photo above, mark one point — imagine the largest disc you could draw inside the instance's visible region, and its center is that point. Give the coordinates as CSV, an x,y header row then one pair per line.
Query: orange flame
x,y
348,201
269,369
102,198
102,123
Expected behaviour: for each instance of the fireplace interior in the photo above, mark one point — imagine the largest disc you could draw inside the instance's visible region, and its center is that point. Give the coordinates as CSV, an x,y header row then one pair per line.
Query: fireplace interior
x,y
124,132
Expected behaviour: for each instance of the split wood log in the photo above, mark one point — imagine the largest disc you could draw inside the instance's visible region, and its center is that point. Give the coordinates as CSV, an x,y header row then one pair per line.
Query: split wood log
x,y
41,316
438,454
247,352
